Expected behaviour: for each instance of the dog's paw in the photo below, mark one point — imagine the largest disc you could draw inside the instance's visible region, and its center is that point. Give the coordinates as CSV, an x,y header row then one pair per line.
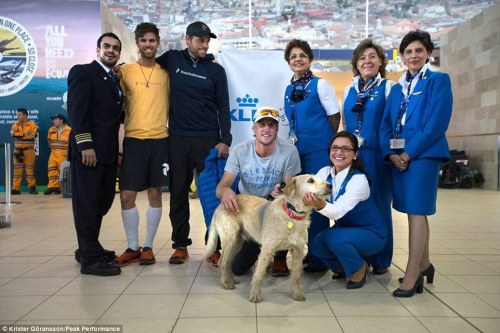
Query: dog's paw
x,y
227,284
236,280
298,297
257,298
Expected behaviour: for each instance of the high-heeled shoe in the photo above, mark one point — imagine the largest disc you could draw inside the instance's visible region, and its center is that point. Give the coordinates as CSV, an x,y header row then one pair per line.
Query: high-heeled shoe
x,y
418,288
428,273
358,284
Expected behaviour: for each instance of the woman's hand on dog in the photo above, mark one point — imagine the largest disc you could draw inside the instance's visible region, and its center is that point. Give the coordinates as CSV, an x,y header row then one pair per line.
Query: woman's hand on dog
x,y
313,200
228,200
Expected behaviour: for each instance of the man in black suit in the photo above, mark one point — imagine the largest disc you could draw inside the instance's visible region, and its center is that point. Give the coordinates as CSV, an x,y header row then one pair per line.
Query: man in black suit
x,y
94,107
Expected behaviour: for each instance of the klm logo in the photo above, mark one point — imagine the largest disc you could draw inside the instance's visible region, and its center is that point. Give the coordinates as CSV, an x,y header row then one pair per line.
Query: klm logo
x,y
247,106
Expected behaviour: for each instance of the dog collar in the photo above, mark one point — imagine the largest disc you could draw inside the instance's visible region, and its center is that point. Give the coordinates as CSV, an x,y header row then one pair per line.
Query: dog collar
x,y
289,209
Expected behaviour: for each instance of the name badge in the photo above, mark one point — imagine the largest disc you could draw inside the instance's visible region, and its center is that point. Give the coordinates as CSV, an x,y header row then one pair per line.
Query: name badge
x,y
397,143
292,138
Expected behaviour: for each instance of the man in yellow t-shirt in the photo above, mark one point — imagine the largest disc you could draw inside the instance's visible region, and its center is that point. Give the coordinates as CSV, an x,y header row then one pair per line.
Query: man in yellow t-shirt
x,y
58,139
145,85
24,133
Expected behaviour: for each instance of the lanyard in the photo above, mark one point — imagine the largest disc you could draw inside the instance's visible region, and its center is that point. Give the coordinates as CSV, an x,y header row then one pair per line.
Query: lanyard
x,y
297,99
329,180
403,106
364,92
292,116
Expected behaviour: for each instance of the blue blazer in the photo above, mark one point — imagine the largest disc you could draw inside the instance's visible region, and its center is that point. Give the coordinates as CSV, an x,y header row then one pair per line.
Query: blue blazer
x,y
427,118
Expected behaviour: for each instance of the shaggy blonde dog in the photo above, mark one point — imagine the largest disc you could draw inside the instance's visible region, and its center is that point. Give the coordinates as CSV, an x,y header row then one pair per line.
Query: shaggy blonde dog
x,y
276,225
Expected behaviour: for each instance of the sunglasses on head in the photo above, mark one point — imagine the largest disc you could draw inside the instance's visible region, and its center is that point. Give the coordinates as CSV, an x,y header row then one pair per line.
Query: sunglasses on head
x,y
267,112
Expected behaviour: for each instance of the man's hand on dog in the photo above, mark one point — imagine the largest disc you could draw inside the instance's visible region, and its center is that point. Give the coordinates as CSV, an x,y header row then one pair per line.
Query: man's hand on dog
x,y
229,202
311,199
278,189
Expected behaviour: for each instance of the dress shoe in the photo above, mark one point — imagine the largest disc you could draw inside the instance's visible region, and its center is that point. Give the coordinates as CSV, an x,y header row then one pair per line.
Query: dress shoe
x,y
15,192
380,271
358,284
33,190
338,275
101,268
109,255
428,273
418,288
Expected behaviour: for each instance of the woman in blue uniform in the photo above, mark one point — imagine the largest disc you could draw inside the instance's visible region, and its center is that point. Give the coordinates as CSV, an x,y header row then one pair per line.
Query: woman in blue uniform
x,y
412,138
359,228
313,114
364,103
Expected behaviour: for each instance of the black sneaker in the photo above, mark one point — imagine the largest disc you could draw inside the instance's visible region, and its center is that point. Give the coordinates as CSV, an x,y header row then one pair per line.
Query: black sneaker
x,y
102,268
15,192
109,255
51,190
33,190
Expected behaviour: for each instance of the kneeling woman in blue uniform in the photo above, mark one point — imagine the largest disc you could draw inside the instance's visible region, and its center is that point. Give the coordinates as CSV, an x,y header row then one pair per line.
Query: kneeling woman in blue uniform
x,y
359,229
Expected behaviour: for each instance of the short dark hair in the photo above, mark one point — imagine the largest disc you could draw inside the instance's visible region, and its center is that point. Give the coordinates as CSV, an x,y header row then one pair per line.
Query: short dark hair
x,y
357,164
143,28
301,44
23,111
418,35
358,52
108,34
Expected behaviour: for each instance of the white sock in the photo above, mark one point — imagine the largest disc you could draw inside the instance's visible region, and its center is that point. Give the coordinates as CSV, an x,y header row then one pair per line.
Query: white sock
x,y
130,219
153,216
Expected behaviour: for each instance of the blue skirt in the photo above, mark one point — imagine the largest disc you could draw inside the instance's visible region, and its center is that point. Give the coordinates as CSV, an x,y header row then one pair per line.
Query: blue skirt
x,y
415,190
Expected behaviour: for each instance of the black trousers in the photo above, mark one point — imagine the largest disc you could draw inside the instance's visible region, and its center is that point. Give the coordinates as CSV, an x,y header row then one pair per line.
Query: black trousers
x,y
185,155
248,255
93,192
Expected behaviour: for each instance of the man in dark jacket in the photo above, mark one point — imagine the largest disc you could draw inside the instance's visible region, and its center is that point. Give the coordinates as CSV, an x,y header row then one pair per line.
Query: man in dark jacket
x,y
94,107
199,120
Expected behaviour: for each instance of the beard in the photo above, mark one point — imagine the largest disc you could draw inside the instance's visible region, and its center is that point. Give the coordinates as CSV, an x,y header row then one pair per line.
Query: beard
x,y
108,61
197,53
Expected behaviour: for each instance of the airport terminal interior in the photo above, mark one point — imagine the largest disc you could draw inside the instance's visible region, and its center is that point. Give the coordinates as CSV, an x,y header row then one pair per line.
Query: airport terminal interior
x,y
40,282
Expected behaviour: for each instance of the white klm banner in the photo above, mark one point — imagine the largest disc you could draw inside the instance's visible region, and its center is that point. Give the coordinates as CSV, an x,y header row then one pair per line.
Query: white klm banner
x,y
256,78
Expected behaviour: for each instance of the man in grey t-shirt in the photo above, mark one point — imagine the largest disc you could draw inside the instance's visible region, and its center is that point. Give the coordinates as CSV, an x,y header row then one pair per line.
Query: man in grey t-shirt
x,y
262,164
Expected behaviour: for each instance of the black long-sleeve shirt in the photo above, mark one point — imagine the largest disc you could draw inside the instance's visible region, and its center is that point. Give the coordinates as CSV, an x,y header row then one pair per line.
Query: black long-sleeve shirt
x,y
199,97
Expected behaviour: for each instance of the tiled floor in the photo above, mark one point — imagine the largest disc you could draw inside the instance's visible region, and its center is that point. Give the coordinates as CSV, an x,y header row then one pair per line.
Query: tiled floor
x,y
40,282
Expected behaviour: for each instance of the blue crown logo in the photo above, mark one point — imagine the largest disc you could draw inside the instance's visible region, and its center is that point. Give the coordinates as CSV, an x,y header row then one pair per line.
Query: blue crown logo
x,y
247,101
